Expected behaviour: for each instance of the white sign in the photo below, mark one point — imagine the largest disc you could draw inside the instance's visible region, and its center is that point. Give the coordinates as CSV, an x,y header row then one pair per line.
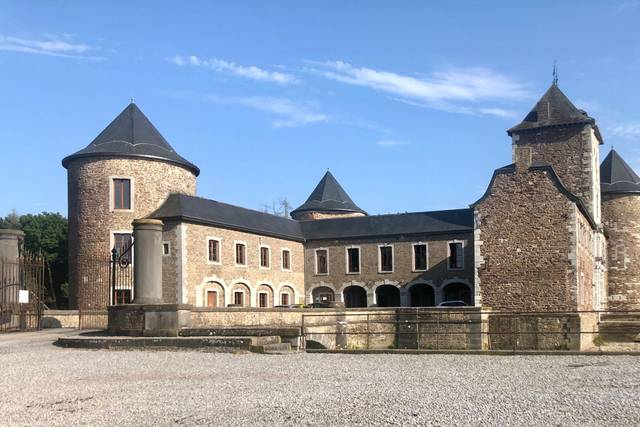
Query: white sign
x,y
23,297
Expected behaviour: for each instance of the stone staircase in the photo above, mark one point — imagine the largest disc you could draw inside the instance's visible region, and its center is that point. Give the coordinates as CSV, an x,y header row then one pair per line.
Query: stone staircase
x,y
620,327
263,340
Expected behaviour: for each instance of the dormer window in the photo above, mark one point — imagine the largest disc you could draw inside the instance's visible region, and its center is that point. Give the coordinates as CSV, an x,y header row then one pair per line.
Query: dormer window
x,y
122,193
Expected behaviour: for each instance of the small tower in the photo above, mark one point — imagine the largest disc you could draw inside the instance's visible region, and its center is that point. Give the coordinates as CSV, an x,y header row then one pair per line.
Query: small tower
x,y
125,173
621,217
328,200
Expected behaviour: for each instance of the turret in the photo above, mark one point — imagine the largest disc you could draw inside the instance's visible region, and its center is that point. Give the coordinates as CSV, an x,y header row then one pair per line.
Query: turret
x,y
328,200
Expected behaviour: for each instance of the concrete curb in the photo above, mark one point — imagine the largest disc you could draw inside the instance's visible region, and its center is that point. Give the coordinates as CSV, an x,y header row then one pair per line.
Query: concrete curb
x,y
219,344
482,352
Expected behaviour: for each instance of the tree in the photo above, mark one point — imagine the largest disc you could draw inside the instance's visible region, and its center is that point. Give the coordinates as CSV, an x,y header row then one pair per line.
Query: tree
x,y
283,208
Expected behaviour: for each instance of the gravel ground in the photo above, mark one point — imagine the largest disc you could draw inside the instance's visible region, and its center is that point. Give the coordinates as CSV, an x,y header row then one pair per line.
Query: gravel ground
x,y
43,384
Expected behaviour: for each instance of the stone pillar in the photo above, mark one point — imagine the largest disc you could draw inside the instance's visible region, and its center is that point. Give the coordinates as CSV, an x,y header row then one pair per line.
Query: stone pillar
x,y
147,262
11,244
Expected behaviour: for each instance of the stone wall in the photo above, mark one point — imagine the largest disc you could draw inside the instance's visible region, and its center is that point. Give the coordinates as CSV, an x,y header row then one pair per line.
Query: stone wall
x,y
92,220
526,231
188,273
621,217
60,319
314,215
403,276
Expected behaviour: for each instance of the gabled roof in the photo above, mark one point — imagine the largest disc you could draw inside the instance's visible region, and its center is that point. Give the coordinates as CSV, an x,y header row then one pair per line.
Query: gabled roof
x,y
413,223
131,134
329,196
554,109
211,212
616,176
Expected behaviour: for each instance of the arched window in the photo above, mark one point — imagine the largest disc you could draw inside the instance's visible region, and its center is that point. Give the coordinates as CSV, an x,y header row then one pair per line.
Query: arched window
x,y
355,296
457,292
387,296
422,295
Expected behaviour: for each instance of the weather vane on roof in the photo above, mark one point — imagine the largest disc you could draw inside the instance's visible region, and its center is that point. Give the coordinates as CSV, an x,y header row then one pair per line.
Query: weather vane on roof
x,y
555,73
133,100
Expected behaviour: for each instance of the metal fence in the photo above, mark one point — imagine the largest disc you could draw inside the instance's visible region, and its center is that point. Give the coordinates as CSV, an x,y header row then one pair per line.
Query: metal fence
x,y
470,329
21,292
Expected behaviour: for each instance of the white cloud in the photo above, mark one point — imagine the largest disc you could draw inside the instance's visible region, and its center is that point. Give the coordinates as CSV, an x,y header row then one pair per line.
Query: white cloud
x,y
443,90
288,113
630,130
50,46
390,143
250,72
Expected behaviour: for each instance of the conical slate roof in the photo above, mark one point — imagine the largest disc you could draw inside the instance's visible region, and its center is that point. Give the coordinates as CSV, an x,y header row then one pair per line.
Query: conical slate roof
x,y
329,196
131,134
553,109
616,176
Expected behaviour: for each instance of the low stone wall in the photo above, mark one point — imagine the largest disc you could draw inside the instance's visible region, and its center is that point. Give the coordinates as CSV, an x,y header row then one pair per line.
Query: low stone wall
x,y
60,319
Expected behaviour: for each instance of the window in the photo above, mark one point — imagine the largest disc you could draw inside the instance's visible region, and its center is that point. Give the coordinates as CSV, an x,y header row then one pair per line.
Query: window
x,y
166,248
263,300
212,298
213,250
284,299
386,259
238,298
123,296
241,254
264,257
121,193
353,260
286,259
456,256
419,257
322,261
122,244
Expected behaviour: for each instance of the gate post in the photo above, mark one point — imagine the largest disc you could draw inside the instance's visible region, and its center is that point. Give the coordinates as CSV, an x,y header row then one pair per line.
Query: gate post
x,y
147,263
11,244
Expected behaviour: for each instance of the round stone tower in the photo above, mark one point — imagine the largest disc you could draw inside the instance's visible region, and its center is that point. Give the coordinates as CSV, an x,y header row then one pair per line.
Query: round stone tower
x,y
620,188
328,200
125,173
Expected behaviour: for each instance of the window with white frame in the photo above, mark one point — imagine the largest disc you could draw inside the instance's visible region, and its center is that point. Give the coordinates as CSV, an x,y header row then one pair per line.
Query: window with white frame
x,y
213,250
121,193
286,259
353,260
241,254
322,261
166,248
385,258
284,298
212,298
238,298
263,300
265,257
122,245
456,256
420,257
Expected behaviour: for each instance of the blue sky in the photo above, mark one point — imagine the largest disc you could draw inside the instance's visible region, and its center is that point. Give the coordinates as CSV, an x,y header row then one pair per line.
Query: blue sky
x,y
406,102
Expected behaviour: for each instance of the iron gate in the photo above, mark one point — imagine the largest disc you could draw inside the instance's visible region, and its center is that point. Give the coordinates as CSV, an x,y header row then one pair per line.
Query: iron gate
x,y
105,282
21,292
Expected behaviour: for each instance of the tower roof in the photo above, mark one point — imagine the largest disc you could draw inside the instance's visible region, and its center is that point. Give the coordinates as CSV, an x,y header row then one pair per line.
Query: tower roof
x,y
131,134
616,176
329,196
554,109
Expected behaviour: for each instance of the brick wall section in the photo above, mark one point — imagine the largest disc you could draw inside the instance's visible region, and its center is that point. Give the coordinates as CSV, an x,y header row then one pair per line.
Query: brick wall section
x,y
621,217
574,154
584,261
197,271
437,273
91,220
528,233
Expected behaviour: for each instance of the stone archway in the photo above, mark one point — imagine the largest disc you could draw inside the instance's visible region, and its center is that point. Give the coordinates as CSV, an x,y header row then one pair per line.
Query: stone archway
x,y
240,295
387,296
457,291
264,295
355,296
323,294
422,295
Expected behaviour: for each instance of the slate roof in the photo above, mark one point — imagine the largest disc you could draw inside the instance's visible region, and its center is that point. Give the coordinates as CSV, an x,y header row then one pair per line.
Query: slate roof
x,y
616,176
328,196
131,134
211,212
554,109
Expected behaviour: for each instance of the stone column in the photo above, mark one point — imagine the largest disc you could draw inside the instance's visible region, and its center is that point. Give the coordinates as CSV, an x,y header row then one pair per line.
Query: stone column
x,y
10,244
147,262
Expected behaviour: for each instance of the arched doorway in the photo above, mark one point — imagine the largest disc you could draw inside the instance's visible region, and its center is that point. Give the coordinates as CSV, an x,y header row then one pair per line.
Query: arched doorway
x,y
457,292
265,296
323,294
422,295
388,296
240,295
213,295
355,296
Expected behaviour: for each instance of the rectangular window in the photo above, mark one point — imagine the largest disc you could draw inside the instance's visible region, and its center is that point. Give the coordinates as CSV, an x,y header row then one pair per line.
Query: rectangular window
x,y
353,260
214,250
241,254
456,256
284,299
286,259
264,257
263,301
386,259
212,299
122,244
238,298
123,296
322,262
166,248
121,193
419,257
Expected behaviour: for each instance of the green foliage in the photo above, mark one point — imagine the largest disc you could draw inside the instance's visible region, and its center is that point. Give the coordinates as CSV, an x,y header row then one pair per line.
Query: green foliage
x,y
598,341
46,234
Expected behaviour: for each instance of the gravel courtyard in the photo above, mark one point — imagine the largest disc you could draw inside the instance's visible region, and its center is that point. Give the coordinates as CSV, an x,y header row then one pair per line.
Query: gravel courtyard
x,y
42,384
